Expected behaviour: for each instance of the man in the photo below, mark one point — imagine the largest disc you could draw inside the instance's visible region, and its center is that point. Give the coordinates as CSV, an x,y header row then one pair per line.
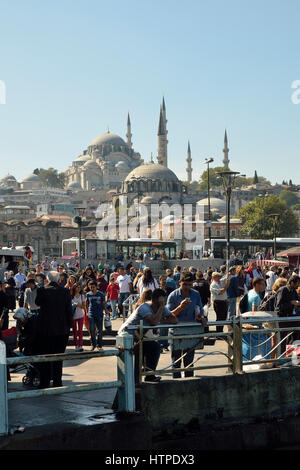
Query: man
x,y
45,264
171,284
95,301
19,278
232,293
3,307
254,297
39,275
63,277
218,290
176,275
53,326
152,313
251,273
271,278
286,303
30,296
125,285
185,303
53,264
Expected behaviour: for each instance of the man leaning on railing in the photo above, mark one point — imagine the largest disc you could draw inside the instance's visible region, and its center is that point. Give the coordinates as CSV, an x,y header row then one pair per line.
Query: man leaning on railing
x,y
185,303
152,313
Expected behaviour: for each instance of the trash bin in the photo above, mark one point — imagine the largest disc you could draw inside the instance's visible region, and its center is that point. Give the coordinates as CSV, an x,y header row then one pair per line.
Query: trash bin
x,y
255,344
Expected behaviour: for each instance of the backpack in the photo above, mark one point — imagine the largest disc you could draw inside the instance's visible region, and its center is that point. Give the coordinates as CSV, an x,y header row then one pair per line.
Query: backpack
x,y
243,304
267,304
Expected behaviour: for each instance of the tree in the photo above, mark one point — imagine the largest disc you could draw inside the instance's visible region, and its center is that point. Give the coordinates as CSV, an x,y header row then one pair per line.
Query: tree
x,y
51,177
216,182
255,179
260,224
290,197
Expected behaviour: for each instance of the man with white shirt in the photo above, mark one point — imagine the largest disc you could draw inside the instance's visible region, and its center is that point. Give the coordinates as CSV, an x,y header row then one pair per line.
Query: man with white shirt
x,y
125,285
53,264
271,277
19,278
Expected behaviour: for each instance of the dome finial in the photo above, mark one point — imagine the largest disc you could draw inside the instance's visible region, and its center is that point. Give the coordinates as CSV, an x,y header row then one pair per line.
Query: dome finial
x,y
151,158
108,131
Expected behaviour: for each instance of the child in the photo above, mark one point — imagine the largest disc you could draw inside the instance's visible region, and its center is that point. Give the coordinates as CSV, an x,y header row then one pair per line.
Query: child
x,y
113,295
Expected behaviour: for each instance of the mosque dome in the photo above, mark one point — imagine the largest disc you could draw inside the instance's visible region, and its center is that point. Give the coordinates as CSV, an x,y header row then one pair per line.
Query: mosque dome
x,y
108,139
148,200
91,164
122,165
75,186
152,171
216,204
8,178
83,158
32,178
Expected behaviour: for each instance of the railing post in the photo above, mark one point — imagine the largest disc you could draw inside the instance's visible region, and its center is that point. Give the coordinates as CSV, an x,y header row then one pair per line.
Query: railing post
x,y
230,350
237,346
3,391
126,393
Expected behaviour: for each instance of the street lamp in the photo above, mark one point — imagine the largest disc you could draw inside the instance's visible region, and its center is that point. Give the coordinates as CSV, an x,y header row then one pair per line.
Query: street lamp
x,y
228,179
207,162
78,220
275,216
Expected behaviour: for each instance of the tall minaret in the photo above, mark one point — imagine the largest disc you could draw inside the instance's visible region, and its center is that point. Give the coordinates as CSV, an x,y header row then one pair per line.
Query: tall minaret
x,y
226,151
163,106
189,168
129,135
162,156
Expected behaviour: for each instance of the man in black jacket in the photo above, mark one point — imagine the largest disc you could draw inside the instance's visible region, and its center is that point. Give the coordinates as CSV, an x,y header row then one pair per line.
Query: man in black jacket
x,y
286,303
3,307
53,327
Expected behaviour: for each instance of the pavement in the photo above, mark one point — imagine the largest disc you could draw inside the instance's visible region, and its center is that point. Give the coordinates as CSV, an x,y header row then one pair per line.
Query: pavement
x,y
90,407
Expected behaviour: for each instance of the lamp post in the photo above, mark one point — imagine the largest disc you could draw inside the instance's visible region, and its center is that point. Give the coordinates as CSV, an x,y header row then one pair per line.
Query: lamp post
x,y
228,179
274,231
78,220
263,196
207,162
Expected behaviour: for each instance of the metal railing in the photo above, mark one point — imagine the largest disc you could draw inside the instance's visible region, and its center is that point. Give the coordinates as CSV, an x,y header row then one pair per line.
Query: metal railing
x,y
124,384
128,304
236,360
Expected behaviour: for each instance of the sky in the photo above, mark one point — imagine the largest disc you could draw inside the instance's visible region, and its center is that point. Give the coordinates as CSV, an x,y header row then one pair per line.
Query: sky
x,y
73,69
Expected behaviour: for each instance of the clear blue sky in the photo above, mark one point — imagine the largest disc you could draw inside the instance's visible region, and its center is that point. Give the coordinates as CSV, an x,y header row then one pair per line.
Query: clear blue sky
x,y
72,68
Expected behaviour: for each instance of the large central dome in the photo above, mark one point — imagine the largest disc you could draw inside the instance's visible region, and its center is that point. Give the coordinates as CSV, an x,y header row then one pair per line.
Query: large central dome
x,y
108,139
152,171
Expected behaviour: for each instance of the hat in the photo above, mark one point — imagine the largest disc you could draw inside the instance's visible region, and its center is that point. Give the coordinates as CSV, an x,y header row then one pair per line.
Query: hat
x,y
216,273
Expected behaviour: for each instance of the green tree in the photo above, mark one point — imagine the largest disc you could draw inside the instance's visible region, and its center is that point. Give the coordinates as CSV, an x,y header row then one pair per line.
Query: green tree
x,y
216,181
290,197
255,179
50,178
259,224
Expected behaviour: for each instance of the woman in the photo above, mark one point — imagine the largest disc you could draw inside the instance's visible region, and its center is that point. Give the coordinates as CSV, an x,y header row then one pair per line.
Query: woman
x,y
241,277
78,299
112,296
87,276
147,281
71,281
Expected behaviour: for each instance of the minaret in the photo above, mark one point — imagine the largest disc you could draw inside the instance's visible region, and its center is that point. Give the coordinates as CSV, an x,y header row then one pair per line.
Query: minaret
x,y
162,156
225,151
189,168
163,106
129,135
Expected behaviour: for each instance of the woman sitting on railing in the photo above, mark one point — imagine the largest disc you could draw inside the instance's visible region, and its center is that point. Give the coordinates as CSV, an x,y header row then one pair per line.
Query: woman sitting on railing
x,y
151,312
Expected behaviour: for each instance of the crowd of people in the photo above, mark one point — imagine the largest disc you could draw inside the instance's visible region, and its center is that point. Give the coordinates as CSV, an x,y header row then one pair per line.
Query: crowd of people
x,y
62,297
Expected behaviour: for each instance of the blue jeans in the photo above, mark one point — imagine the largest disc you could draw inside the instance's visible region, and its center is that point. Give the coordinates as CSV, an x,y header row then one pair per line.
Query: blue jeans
x,y
96,321
123,296
231,312
113,304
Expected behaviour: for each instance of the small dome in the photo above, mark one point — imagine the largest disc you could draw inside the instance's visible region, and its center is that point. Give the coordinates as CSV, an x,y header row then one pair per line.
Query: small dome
x,y
152,171
108,139
122,165
91,164
8,178
148,200
83,158
32,178
75,186
215,204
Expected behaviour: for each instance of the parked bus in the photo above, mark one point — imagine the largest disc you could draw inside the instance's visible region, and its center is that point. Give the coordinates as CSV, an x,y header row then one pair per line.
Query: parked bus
x,y
93,248
249,246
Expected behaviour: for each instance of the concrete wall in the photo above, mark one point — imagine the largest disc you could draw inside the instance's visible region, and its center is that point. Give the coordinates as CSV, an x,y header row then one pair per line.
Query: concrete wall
x,y
225,399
